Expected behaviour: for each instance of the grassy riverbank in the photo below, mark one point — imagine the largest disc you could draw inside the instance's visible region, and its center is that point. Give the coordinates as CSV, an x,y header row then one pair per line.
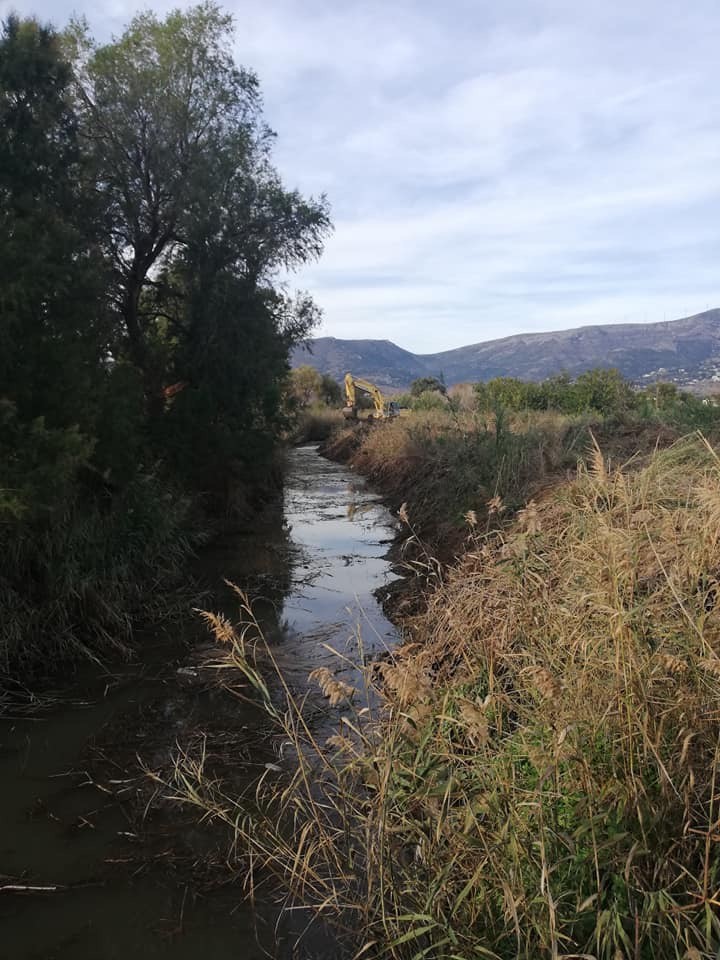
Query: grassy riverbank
x,y
550,748
537,776
541,780
444,464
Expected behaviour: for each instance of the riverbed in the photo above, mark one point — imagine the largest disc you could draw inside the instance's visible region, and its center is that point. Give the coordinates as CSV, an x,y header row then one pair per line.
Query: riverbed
x,y
112,885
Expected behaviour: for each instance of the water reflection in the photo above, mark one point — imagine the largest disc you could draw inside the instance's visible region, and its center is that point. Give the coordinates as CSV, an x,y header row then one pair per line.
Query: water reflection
x,y
342,530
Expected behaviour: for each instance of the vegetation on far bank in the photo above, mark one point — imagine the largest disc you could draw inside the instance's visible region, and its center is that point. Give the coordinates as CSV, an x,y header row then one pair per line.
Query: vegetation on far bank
x,y
144,335
601,391
598,395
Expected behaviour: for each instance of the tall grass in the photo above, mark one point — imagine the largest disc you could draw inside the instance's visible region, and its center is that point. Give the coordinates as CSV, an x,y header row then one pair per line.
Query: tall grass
x,y
74,581
541,779
446,463
317,423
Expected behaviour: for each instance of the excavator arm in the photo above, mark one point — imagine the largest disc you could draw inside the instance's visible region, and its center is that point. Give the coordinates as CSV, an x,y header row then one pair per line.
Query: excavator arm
x,y
382,407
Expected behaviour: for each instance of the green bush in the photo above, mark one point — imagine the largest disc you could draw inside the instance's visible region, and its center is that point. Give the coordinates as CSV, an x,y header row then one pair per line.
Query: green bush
x,y
600,391
429,400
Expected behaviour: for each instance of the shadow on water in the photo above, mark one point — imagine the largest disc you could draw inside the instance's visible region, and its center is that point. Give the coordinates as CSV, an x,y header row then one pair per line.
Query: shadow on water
x,y
128,874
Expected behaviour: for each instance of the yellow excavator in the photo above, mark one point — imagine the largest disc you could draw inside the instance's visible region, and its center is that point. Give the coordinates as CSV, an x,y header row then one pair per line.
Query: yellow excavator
x,y
383,408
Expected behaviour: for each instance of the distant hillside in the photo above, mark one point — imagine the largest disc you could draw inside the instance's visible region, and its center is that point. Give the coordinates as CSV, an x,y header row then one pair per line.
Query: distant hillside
x,y
381,361
686,351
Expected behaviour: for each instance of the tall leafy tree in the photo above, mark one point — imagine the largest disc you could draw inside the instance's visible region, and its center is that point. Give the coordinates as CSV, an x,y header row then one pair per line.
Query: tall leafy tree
x,y
144,238
604,390
306,384
52,329
426,384
182,156
331,392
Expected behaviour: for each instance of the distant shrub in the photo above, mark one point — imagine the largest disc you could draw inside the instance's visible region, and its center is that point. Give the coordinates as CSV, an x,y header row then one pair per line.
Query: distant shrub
x,y
426,384
429,400
601,391
316,423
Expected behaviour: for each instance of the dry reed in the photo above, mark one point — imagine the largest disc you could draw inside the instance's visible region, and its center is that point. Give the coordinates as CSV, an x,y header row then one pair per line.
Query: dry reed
x,y
541,780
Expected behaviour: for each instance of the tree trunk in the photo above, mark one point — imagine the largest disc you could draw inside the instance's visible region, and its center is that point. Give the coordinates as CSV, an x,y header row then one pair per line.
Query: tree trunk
x,y
152,378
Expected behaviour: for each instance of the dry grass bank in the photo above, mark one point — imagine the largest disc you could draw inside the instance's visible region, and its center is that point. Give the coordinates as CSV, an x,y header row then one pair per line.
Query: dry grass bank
x,y
541,779
556,733
444,465
317,423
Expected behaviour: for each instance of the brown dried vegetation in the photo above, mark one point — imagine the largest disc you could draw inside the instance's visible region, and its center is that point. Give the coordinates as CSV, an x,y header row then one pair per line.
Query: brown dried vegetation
x,y
541,779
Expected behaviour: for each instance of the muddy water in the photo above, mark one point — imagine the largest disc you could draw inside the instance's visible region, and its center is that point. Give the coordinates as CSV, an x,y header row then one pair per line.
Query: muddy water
x,y
121,885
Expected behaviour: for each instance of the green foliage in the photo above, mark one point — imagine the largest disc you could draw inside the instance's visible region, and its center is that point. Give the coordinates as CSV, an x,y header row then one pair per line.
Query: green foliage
x,y
429,400
305,384
179,143
39,465
600,391
72,583
221,430
331,392
75,556
145,325
121,445
52,329
503,391
425,385
605,391
665,403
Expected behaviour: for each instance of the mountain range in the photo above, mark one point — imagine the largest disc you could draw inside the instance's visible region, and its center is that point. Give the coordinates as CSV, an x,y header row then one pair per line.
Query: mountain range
x,y
685,351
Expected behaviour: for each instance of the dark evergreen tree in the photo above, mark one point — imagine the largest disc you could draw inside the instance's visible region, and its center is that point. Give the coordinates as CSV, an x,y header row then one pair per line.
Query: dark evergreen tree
x,y
53,329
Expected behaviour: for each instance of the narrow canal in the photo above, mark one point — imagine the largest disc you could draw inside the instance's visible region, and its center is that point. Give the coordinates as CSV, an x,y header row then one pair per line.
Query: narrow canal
x,y
113,881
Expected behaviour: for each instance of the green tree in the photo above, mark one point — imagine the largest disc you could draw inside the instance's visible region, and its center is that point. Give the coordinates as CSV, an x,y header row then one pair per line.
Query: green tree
x,y
331,393
662,396
430,400
426,384
306,384
200,227
182,152
53,330
560,393
606,391
145,241
506,392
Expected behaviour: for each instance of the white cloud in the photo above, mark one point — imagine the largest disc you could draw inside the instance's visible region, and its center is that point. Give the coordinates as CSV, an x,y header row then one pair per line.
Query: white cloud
x,y
493,168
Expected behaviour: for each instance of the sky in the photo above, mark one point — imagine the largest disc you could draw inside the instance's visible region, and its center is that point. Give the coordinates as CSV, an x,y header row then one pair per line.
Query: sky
x,y
493,167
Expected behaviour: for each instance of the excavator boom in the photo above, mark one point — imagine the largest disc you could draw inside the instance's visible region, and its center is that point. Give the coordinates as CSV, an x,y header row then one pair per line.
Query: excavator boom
x,y
383,408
